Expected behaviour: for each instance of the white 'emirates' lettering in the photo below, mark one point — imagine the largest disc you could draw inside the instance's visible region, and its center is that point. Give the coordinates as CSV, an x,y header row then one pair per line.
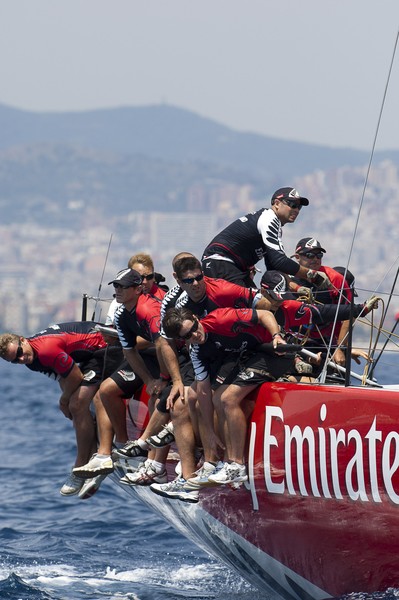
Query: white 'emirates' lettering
x,y
323,458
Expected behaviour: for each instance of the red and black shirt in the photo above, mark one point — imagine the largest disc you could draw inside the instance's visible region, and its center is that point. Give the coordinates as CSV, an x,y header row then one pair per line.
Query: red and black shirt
x,y
143,320
60,346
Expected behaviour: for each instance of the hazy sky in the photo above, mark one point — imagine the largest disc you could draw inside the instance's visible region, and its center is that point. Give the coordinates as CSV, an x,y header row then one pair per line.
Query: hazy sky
x,y
308,70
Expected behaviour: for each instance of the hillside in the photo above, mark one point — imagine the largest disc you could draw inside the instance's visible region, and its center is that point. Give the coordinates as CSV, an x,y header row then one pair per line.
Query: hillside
x,y
162,180
144,159
41,182
174,135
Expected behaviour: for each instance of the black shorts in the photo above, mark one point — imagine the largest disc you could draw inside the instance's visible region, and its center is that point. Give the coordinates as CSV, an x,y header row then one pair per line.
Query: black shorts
x,y
222,368
223,269
101,365
187,375
128,381
256,368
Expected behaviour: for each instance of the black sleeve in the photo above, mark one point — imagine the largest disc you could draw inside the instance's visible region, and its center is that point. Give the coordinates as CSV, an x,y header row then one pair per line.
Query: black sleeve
x,y
278,261
325,313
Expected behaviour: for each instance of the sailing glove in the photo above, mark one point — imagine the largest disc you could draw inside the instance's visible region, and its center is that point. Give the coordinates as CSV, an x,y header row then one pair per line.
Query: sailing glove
x,y
319,280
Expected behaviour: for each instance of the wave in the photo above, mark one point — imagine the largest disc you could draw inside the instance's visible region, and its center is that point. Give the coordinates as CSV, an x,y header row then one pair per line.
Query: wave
x,y
62,581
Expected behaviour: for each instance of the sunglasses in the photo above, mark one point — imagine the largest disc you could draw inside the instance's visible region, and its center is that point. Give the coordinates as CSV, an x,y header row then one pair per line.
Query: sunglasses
x,y
123,287
292,203
192,279
148,277
312,254
189,334
19,353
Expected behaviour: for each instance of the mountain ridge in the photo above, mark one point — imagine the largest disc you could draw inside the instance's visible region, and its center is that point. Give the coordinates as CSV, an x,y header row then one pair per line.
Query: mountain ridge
x,y
178,135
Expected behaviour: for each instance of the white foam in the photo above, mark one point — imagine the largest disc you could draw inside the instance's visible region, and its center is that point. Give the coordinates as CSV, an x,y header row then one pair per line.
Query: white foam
x,y
157,575
60,580
37,571
197,572
184,577
136,575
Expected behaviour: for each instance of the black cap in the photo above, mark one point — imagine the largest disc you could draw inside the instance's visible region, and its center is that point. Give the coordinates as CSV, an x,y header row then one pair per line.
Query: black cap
x,y
308,244
289,193
275,284
127,278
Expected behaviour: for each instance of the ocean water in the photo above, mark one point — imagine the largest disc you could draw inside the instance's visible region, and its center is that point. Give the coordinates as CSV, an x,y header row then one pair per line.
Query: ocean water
x,y
110,546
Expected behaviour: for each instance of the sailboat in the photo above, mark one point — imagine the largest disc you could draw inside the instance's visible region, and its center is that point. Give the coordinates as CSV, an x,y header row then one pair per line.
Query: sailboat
x,y
319,515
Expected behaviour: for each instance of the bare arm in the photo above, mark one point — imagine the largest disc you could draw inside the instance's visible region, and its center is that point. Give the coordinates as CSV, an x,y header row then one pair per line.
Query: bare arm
x,y
358,353
143,344
138,366
159,350
169,356
68,386
268,321
339,355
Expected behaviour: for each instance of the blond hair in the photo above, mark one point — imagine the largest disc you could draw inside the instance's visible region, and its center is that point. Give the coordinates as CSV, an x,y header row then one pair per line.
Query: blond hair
x,y
5,340
142,259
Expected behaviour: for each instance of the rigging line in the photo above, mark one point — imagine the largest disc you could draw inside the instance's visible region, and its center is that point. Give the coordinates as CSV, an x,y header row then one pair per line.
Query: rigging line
x,y
388,339
390,296
102,277
373,147
391,335
383,317
324,371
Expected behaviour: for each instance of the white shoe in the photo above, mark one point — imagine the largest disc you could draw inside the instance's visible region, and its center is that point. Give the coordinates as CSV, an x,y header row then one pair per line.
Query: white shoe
x,y
90,486
201,478
129,465
176,490
131,449
72,486
165,437
146,475
230,473
95,466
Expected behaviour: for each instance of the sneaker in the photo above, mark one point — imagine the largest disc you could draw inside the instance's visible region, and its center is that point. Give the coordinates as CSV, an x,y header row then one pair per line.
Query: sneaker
x,y
230,473
199,456
175,490
201,476
90,486
165,437
72,485
95,466
129,465
146,475
130,450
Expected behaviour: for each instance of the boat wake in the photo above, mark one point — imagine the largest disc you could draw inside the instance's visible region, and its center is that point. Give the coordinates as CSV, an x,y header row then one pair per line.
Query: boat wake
x,y
62,582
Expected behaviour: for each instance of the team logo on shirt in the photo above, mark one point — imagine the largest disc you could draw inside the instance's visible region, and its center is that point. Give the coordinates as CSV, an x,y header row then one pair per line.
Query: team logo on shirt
x,y
301,312
241,326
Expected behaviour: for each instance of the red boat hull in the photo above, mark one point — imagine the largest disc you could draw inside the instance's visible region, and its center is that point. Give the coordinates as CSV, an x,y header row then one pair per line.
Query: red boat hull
x,y
320,515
